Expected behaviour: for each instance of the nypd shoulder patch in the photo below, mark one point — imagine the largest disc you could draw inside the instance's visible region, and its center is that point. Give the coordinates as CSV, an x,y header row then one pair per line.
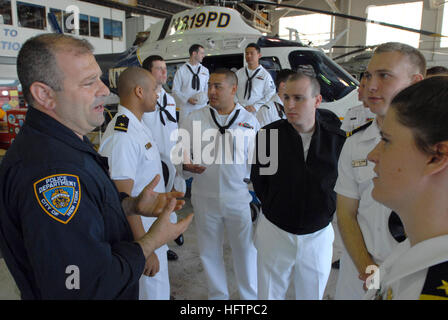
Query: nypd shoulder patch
x,y
59,196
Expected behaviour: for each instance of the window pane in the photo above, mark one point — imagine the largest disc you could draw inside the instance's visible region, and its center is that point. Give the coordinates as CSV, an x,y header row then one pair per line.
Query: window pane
x,y
5,12
107,25
94,26
117,30
405,14
83,25
444,41
113,29
31,16
314,28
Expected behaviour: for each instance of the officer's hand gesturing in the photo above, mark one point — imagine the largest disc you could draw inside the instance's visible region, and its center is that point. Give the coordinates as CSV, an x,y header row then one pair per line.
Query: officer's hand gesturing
x,y
150,203
162,230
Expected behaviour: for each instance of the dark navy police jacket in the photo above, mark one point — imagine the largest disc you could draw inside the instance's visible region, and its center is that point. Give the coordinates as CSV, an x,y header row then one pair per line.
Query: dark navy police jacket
x,y
63,232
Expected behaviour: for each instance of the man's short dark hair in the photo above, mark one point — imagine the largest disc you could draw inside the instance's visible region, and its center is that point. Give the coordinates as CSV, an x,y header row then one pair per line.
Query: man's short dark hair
x,y
147,63
436,70
254,45
282,76
36,61
130,78
194,48
299,75
422,108
230,75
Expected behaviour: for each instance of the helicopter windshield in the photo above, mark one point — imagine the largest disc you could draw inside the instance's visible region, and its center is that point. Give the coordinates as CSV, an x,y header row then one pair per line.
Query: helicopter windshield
x,y
334,83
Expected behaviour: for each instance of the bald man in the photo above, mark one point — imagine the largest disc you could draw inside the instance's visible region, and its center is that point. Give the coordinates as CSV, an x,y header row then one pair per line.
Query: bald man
x,y
134,160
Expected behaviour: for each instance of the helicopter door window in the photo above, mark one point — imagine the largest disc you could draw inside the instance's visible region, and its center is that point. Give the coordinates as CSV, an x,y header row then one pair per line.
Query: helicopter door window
x,y
272,65
5,12
171,68
334,83
229,61
31,16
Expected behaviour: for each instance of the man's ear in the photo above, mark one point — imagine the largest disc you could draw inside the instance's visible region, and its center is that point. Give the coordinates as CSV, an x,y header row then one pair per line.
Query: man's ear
x,y
138,91
417,77
438,161
318,101
43,95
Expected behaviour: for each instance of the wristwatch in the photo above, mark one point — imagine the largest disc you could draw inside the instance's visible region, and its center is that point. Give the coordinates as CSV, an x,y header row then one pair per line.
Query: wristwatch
x,y
123,195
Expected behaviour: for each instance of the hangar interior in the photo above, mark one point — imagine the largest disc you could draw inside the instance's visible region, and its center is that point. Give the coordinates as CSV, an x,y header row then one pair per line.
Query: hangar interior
x,y
347,41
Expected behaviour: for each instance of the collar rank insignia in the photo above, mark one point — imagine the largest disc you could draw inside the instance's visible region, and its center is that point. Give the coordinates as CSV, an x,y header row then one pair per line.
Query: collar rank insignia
x,y
359,163
436,283
59,196
245,125
148,145
121,124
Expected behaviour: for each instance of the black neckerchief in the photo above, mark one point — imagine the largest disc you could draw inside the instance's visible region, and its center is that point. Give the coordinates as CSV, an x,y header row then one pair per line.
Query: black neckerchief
x,y
280,109
396,227
195,81
248,89
222,129
162,108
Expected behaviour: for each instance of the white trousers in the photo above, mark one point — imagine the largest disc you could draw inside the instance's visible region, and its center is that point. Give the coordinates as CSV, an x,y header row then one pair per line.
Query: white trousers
x,y
157,287
348,286
212,217
284,257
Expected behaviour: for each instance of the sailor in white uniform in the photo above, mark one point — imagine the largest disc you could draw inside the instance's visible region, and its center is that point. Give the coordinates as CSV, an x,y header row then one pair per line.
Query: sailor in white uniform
x,y
411,177
274,110
358,115
368,228
134,160
220,194
255,84
190,83
163,125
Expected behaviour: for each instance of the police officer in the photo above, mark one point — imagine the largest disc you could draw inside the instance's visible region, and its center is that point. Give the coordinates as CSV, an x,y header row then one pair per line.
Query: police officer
x,y
220,195
190,83
134,160
255,84
60,213
163,125
274,110
363,222
294,236
411,166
